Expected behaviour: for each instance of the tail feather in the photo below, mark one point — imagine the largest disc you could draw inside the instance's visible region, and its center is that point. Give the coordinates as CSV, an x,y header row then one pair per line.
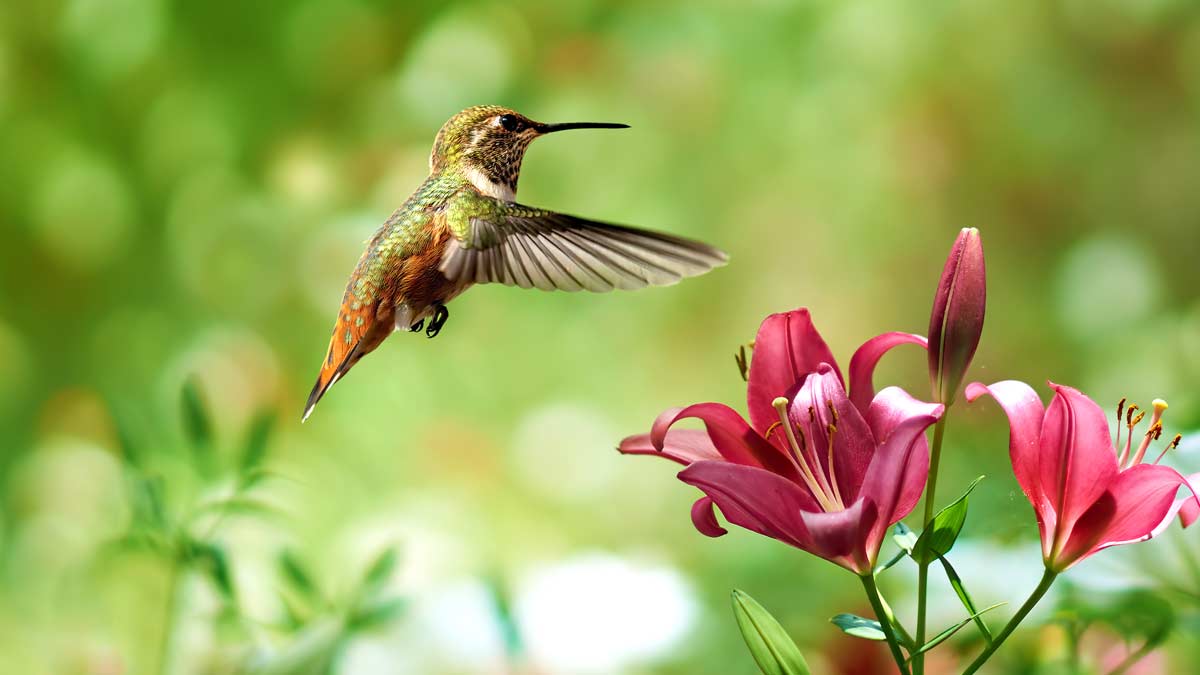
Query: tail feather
x,y
353,337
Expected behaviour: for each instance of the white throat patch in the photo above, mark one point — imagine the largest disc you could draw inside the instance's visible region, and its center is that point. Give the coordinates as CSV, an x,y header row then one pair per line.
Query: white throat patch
x,y
489,187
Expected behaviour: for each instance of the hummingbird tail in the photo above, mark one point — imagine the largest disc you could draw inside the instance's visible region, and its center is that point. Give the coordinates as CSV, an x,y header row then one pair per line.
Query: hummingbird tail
x,y
355,334
326,379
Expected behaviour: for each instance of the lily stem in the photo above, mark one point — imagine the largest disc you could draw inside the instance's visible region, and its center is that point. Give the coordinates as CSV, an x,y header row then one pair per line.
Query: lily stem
x,y
883,616
1043,586
935,456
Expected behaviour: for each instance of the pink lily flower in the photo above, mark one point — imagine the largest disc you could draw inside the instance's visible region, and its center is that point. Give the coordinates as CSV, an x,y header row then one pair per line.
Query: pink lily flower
x,y
1088,492
814,468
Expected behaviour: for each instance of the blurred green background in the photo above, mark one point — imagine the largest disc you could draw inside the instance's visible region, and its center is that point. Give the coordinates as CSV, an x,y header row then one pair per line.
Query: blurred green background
x,y
185,186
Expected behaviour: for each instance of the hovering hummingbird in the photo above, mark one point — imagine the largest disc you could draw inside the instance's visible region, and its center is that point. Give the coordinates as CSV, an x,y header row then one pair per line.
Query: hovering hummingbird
x,y
462,227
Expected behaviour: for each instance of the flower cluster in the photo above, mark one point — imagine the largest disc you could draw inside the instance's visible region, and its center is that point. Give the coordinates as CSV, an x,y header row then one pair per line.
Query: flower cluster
x,y
830,469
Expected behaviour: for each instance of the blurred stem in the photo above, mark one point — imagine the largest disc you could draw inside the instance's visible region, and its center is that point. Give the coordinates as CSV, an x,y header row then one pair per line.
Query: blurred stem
x,y
935,456
1043,586
1189,560
170,611
884,617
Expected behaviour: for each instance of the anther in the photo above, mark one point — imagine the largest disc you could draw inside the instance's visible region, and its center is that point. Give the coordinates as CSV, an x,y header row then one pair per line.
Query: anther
x,y
1152,434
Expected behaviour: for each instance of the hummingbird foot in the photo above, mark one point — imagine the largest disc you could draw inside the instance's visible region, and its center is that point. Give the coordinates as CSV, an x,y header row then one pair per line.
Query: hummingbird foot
x,y
416,327
440,314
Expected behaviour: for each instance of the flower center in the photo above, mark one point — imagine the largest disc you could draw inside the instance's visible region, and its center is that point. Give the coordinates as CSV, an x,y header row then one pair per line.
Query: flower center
x,y
1128,456
803,457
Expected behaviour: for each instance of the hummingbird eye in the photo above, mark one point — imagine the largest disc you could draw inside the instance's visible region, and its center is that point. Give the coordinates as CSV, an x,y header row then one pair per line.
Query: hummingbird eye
x,y
510,123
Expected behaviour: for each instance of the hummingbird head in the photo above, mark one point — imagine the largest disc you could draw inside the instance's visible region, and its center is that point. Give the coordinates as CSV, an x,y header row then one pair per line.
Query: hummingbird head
x,y
487,143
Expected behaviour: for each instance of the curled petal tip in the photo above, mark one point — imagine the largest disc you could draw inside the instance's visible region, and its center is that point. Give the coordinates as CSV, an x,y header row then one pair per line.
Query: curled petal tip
x,y
975,390
705,519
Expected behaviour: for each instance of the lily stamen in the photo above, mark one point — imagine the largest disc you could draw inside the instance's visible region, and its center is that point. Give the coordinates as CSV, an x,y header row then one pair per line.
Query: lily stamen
x,y
1155,428
1130,423
1170,446
837,493
1120,409
780,404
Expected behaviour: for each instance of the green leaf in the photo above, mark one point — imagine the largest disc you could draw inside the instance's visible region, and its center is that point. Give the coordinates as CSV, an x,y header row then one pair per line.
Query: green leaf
x,y
939,537
961,591
197,426
944,635
769,644
376,613
297,576
380,570
255,448
131,450
860,627
238,506
904,537
149,504
213,560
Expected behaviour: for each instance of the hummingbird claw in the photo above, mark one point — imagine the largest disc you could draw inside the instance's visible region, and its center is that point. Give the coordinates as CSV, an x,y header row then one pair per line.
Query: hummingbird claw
x,y
416,327
440,314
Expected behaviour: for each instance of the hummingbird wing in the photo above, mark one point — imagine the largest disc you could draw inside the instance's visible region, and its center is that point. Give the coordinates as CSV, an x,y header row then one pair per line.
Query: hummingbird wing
x,y
507,243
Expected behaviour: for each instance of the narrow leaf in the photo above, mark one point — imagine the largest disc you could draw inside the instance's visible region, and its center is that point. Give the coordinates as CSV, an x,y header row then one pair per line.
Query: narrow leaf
x,y
297,577
961,591
944,635
255,448
768,642
212,560
380,570
860,627
376,613
939,537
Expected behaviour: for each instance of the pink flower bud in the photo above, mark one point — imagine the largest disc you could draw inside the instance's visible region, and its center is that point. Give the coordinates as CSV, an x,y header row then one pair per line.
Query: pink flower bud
x,y
957,319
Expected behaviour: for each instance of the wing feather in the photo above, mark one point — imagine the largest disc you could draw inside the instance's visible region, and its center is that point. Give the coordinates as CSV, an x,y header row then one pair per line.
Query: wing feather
x,y
531,248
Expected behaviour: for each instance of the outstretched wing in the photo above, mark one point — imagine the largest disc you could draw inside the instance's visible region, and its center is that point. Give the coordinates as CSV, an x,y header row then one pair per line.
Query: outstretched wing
x,y
506,243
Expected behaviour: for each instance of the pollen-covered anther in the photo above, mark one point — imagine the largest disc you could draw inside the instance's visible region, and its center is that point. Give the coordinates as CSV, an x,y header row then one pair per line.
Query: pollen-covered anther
x,y
1152,434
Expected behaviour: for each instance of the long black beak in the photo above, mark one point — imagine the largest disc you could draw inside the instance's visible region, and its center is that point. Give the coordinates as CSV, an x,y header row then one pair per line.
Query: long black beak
x,y
551,128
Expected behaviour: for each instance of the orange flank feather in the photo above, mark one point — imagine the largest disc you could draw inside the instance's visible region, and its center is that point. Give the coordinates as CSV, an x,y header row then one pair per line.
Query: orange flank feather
x,y
363,325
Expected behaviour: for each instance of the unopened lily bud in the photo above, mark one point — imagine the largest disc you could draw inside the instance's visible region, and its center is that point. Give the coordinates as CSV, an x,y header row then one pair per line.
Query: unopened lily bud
x,y
957,319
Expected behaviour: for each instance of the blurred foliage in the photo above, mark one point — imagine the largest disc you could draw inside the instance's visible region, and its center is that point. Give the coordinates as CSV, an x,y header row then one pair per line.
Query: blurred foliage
x,y
184,187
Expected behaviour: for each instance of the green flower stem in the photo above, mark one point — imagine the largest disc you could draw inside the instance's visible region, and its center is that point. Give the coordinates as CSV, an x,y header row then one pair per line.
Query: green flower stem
x,y
1043,586
935,456
170,613
883,616
905,638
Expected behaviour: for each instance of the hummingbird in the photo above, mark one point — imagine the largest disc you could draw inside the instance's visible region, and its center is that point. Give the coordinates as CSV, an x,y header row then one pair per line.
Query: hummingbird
x,y
463,227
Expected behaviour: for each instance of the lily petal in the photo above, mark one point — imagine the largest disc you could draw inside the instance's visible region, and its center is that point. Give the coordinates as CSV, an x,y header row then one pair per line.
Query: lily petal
x,y
1077,461
786,349
862,364
705,520
890,408
1025,413
821,405
755,499
838,536
730,435
1130,510
888,482
679,445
